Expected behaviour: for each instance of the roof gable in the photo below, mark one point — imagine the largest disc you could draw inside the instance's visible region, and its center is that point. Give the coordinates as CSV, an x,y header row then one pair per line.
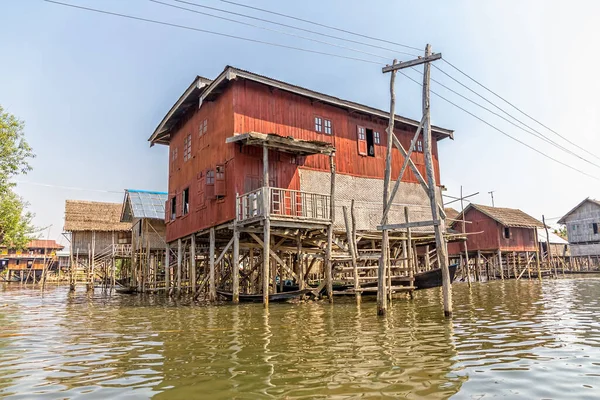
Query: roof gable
x,y
509,217
93,216
201,88
587,200
143,204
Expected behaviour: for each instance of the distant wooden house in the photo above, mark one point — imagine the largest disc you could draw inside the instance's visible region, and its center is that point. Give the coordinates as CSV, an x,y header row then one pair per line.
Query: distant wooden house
x,y
144,211
97,236
558,246
583,228
28,264
505,237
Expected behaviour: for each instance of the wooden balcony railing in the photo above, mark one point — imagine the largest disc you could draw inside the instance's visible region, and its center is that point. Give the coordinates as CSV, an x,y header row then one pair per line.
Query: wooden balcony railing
x,y
285,203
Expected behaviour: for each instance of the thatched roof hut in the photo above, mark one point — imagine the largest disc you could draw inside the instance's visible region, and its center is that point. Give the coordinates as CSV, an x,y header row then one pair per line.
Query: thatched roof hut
x,y
94,216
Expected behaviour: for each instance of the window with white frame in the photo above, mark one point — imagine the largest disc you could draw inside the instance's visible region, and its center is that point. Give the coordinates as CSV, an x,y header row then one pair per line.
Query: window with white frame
x,y
318,124
327,126
187,148
419,146
376,138
361,133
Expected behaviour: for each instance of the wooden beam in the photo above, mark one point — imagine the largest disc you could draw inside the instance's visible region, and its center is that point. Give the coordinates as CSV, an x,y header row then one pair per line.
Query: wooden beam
x,y
235,272
224,251
402,170
405,225
406,64
275,256
193,263
212,288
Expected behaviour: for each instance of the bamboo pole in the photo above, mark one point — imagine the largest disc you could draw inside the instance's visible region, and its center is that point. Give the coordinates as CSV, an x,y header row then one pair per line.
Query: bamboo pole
x,y
212,288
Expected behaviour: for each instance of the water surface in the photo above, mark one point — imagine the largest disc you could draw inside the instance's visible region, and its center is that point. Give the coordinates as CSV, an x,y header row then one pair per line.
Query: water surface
x,y
507,339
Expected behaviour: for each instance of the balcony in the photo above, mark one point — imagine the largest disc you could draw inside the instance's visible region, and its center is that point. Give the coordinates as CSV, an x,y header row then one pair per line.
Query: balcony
x,y
284,204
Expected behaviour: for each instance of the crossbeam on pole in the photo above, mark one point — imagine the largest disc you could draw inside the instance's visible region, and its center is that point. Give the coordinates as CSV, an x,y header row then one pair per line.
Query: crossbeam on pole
x,y
415,224
411,63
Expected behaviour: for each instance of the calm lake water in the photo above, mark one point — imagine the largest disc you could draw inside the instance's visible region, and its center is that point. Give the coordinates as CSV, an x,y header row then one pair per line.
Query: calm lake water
x,y
513,339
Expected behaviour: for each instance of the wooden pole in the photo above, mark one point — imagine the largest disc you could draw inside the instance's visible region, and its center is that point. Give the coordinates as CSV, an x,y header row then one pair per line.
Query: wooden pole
x,y
411,264
385,239
514,264
440,227
193,263
462,208
179,263
267,228
352,249
329,263
212,288
537,255
235,273
299,261
549,248
167,268
500,266
478,266
71,266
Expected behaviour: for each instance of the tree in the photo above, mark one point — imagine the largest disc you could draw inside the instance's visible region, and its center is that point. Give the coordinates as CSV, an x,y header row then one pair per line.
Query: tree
x,y
562,232
15,152
16,227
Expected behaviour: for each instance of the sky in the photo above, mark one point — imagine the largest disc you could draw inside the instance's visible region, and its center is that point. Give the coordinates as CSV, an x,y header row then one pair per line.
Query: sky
x,y
91,88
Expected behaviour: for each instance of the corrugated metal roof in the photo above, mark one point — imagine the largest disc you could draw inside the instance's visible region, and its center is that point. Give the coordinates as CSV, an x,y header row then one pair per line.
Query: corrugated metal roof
x,y
554,238
143,204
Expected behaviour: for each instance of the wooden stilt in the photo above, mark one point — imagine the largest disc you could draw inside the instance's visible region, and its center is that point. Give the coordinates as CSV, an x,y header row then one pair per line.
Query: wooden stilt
x,y
212,288
478,266
328,259
179,264
500,266
352,248
537,255
235,273
193,277
299,261
266,261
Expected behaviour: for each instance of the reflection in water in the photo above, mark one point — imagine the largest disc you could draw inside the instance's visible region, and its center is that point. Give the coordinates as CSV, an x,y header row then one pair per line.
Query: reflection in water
x,y
505,336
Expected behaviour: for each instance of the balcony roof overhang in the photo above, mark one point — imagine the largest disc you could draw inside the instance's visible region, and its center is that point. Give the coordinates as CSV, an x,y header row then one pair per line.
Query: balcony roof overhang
x,y
281,143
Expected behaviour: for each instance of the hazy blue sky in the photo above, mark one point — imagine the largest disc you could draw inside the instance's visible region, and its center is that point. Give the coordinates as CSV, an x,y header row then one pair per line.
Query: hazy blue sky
x,y
91,88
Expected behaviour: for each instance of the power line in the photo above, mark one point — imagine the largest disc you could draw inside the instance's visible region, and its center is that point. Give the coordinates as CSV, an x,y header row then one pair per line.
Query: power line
x,y
69,187
265,28
322,25
501,131
519,110
293,27
533,132
310,51
543,137
210,32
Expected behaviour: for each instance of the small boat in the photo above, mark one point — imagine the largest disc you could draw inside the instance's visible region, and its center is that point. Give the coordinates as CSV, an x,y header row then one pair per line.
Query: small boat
x,y
126,290
423,280
273,297
433,278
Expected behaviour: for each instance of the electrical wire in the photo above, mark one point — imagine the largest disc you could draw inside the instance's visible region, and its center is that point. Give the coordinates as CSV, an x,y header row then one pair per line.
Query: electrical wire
x,y
518,109
395,51
69,187
501,131
267,29
321,25
133,17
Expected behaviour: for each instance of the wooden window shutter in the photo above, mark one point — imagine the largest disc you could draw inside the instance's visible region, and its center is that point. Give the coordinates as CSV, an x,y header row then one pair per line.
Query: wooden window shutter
x,y
167,210
361,135
210,184
220,181
201,194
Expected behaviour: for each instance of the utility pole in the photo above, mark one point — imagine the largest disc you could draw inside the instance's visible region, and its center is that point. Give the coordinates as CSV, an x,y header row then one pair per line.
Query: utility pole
x,y
438,215
492,194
